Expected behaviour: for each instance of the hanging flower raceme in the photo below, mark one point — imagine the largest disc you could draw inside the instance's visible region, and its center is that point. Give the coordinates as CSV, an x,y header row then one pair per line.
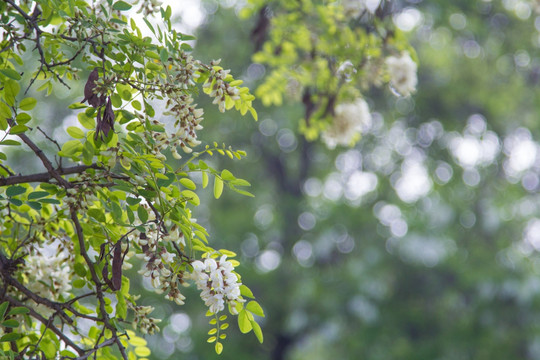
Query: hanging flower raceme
x,y
402,72
217,282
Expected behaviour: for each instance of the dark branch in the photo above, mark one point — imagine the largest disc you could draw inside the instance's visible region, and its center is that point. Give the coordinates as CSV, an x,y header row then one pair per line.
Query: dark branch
x,y
45,176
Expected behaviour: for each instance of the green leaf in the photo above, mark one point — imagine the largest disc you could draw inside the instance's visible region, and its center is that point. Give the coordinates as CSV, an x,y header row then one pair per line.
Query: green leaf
x,y
188,183
257,331
37,195
121,6
75,132
116,100
244,324
121,306
97,214
5,111
71,147
191,197
133,201
11,323
49,201
245,291
18,129
15,190
130,215
149,26
255,308
10,142
218,187
10,73
163,55
27,103
227,175
219,348
152,54
15,202
142,213
204,179
243,192
142,351
254,114
10,337
67,354
116,212
34,205
11,90
240,182
18,310
125,286
88,152
79,283
86,121
22,118
80,269
3,308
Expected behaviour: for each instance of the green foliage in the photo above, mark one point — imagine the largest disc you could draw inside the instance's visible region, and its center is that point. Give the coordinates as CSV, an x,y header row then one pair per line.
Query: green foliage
x,y
69,234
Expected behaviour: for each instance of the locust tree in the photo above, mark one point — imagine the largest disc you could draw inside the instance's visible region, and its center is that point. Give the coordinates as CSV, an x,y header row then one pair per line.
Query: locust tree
x,y
106,196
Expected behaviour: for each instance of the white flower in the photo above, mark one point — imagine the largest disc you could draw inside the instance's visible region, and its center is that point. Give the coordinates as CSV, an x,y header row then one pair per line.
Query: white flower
x,y
402,71
217,282
48,276
167,257
347,123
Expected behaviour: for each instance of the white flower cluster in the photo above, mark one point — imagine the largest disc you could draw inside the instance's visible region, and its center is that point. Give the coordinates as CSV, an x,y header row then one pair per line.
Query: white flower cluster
x,y
48,275
348,121
217,283
402,72
220,87
141,320
188,121
158,262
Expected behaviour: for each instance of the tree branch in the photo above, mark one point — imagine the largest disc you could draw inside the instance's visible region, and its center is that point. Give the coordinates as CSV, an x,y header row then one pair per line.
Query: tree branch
x,y
41,155
45,176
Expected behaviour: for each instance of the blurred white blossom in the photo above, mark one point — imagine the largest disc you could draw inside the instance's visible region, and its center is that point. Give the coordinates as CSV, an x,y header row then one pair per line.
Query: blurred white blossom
x,y
402,72
349,119
48,276
354,8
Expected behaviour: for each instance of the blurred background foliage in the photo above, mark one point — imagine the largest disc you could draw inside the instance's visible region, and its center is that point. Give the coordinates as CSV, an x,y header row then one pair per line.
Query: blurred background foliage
x,y
418,243
422,241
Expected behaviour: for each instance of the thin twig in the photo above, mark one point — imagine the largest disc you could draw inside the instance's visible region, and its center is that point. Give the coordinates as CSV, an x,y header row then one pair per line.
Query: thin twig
x,y
49,138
